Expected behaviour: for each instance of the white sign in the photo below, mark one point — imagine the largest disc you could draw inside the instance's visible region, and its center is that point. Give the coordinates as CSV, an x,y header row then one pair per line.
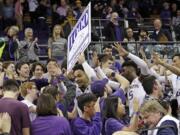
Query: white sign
x,y
79,38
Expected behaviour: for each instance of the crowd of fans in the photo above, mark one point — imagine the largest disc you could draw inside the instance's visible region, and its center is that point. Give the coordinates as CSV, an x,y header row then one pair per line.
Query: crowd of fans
x,y
136,92
125,95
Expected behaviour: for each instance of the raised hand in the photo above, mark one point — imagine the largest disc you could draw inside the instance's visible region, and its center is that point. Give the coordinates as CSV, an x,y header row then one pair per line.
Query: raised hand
x,y
81,58
156,58
35,41
95,59
97,105
122,52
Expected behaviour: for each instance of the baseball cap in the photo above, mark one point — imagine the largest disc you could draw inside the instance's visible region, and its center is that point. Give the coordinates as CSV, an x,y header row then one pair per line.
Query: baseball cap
x,y
97,86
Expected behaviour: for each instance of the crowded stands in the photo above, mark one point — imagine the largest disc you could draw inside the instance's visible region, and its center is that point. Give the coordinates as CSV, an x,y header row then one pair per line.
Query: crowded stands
x,y
127,82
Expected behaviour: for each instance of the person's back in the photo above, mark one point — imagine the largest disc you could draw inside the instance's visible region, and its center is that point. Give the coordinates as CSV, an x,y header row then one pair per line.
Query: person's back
x,y
50,125
17,111
47,122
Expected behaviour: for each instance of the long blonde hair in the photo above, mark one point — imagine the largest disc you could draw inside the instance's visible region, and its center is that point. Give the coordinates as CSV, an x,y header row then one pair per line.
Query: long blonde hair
x,y
54,34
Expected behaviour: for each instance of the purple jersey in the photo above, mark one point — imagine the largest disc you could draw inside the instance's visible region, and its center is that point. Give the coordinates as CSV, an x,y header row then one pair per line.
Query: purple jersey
x,y
19,114
50,125
85,127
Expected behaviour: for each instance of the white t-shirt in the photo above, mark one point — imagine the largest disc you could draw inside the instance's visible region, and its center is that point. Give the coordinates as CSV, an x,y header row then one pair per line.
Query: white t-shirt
x,y
175,83
135,90
29,104
176,87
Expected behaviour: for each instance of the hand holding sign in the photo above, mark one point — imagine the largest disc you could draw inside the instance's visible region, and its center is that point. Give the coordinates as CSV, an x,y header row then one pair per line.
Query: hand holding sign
x,y
79,38
81,58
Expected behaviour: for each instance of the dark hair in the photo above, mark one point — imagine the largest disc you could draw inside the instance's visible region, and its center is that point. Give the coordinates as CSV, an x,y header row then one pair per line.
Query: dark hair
x,y
78,67
104,57
46,105
51,60
148,83
174,107
107,46
111,105
142,29
34,65
130,63
7,63
177,54
19,65
126,34
52,90
84,99
10,85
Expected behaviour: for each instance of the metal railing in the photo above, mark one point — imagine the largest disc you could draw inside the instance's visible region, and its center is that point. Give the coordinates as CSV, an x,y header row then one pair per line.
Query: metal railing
x,y
167,49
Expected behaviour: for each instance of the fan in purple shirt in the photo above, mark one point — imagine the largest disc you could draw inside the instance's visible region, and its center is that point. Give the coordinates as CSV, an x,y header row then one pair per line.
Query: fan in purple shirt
x,y
90,121
20,122
115,112
100,88
47,122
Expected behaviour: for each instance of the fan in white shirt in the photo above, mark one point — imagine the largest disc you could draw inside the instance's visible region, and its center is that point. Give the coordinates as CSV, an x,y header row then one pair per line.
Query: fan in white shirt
x,y
130,70
135,89
174,78
29,92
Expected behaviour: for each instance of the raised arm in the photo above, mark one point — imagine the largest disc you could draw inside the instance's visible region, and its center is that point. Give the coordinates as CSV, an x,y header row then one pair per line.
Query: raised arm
x,y
87,68
173,69
141,63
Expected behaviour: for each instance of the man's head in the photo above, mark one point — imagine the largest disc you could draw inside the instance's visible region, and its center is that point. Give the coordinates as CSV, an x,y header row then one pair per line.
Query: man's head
x,y
129,33
37,69
80,76
151,112
107,49
78,4
157,24
11,86
52,67
86,104
29,89
114,17
152,86
28,32
130,70
106,60
22,69
176,60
